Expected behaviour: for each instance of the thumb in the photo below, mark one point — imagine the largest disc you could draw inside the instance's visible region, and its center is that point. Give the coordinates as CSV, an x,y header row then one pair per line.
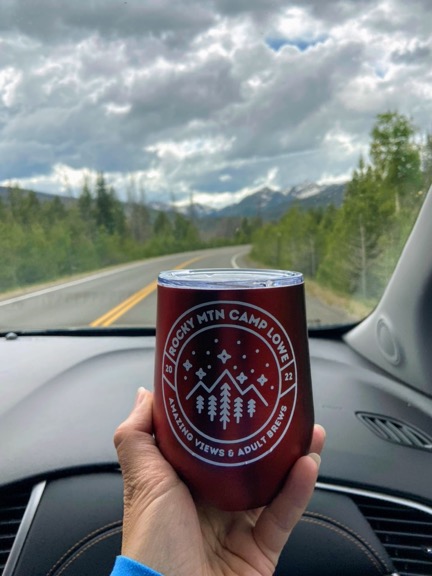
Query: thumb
x,y
140,419
138,426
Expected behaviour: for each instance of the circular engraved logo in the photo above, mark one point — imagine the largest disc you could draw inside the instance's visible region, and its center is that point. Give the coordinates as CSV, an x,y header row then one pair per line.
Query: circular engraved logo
x,y
229,382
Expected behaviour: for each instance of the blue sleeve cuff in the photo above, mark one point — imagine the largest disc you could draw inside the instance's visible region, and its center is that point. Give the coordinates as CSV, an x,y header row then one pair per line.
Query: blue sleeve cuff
x,y
126,567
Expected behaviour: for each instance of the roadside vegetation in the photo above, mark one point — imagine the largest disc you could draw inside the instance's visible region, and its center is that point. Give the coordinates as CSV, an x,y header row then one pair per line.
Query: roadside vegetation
x,y
344,251
45,240
352,250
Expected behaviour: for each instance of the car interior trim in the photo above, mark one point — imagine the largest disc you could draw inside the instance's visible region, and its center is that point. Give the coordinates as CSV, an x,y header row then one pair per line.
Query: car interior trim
x,y
23,530
376,495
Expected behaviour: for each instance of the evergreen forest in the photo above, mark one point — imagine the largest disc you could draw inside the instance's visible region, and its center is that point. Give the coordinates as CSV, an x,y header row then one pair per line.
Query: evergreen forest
x,y
45,240
353,249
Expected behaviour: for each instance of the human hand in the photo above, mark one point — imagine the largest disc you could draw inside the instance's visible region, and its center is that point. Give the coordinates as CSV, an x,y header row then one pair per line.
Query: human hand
x,y
166,530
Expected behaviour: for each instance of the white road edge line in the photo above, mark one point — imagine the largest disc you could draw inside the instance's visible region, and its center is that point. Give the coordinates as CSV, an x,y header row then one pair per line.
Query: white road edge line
x,y
69,284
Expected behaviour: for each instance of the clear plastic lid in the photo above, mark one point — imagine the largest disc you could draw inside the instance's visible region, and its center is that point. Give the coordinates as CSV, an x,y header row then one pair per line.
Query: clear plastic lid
x,y
217,278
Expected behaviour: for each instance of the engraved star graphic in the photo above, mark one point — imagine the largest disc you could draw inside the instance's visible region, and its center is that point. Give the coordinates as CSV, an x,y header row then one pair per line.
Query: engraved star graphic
x,y
262,379
224,356
241,377
200,373
187,365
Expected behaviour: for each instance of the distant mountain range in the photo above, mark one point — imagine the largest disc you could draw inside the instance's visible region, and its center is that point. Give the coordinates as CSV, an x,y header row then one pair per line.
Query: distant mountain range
x,y
41,196
270,204
267,203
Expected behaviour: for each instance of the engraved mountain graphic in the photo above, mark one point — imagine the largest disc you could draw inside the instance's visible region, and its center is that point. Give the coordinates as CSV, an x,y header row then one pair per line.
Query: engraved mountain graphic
x,y
223,381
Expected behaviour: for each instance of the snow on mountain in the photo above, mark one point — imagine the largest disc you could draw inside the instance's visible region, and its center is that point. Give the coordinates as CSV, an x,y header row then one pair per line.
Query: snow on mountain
x,y
306,190
269,203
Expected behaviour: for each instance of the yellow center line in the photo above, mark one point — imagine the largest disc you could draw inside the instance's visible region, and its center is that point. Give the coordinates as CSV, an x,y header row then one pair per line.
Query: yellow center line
x,y
114,314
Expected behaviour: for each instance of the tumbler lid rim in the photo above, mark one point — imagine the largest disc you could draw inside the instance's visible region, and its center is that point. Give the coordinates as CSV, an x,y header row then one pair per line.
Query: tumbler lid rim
x,y
239,278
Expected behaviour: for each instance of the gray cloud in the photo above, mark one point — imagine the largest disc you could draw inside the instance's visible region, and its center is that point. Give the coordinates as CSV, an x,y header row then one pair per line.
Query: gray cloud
x,y
419,54
293,112
191,96
52,22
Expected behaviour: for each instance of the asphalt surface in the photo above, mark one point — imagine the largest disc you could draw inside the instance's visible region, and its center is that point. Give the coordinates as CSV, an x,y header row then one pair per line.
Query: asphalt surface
x,y
121,297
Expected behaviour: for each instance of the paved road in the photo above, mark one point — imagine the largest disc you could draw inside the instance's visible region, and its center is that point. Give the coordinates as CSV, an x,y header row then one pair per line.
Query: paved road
x,y
124,296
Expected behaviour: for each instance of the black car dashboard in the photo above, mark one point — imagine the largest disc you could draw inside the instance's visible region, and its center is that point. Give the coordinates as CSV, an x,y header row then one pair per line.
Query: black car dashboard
x,y
62,397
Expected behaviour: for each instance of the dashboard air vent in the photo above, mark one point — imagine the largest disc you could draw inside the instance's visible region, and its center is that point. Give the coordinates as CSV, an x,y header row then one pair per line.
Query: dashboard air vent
x,y
13,503
405,532
396,431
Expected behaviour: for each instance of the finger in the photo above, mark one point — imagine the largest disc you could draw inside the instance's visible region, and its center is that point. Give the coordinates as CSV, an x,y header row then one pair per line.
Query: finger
x,y
279,518
139,420
318,439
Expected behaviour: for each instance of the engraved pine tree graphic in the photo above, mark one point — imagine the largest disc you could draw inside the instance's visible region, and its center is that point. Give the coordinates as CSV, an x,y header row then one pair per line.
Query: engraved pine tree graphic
x,y
225,405
212,407
227,399
200,404
238,409
251,407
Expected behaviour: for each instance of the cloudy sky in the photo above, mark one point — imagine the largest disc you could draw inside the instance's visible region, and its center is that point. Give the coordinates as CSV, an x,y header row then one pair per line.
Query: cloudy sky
x,y
204,99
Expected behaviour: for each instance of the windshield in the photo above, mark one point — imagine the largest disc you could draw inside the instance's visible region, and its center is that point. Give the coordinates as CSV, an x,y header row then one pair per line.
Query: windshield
x,y
140,136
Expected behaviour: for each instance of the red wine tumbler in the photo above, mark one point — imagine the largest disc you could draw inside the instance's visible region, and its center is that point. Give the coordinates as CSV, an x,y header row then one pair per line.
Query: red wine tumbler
x,y
233,397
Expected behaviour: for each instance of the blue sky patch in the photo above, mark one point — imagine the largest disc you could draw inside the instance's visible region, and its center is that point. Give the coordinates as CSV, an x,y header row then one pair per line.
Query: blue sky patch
x,y
380,71
302,44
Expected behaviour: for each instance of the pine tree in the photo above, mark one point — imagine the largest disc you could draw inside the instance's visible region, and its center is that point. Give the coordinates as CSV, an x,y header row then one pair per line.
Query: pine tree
x,y
54,211
396,158
380,197
85,201
108,213
24,206
118,215
185,232
138,215
162,225
363,216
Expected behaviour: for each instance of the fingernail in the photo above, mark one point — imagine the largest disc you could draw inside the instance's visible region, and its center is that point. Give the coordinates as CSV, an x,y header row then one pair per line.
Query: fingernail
x,y
139,396
316,458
